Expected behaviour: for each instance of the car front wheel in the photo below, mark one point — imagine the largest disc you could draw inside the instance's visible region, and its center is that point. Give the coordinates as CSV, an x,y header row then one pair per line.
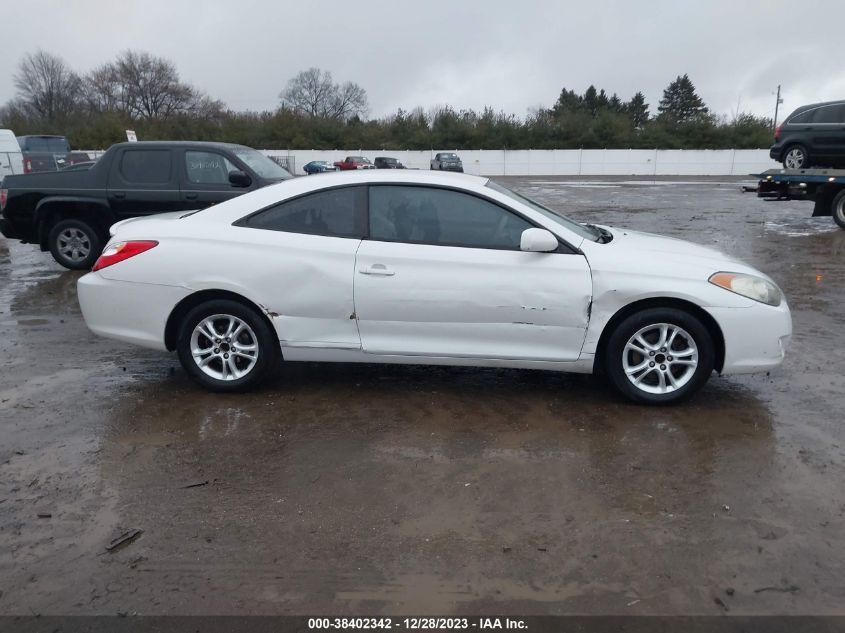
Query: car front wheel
x,y
659,356
75,244
226,346
795,157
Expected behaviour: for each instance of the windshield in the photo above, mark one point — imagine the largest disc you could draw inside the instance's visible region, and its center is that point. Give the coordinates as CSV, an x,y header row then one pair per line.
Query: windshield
x,y
261,165
52,145
576,227
449,157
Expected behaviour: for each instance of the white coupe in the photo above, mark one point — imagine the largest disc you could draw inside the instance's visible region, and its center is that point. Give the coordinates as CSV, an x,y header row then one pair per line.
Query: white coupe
x,y
442,269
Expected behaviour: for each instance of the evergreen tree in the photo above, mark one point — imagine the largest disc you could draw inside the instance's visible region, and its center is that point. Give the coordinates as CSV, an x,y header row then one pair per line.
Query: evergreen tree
x,y
637,110
680,103
591,100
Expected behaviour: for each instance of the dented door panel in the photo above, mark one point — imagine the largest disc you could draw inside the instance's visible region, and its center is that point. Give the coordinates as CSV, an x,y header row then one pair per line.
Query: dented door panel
x,y
422,299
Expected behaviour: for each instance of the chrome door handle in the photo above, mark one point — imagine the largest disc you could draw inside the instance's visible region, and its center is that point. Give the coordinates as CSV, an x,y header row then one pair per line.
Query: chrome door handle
x,y
376,269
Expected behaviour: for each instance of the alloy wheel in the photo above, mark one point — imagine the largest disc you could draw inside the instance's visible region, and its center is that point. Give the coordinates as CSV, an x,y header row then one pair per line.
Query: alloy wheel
x,y
74,244
660,358
224,347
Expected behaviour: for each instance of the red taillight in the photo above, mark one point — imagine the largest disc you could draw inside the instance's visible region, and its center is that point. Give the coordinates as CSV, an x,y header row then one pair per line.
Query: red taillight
x,y
777,132
27,166
119,251
4,195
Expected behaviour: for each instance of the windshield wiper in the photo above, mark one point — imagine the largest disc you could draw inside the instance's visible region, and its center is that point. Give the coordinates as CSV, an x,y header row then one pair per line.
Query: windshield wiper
x,y
603,235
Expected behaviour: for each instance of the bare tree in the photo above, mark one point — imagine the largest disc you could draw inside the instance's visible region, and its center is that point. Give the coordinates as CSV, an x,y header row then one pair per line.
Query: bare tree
x,y
46,86
313,93
143,86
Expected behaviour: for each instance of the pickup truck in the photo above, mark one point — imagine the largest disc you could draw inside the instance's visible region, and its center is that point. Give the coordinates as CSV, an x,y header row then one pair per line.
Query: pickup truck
x,y
69,212
354,162
43,152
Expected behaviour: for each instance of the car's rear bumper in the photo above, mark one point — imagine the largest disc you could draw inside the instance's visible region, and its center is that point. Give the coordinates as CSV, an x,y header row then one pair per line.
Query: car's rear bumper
x,y
128,311
756,338
775,152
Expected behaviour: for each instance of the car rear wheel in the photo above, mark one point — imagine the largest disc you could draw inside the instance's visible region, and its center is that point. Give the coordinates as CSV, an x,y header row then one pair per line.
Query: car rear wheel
x,y
226,346
795,157
659,356
75,244
838,209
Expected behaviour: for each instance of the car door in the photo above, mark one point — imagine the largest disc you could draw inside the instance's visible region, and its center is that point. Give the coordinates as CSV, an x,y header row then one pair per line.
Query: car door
x,y
828,124
143,181
205,178
441,274
303,251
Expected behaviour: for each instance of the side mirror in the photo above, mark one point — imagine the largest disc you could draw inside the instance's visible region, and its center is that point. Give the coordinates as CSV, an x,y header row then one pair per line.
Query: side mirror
x,y
237,178
538,241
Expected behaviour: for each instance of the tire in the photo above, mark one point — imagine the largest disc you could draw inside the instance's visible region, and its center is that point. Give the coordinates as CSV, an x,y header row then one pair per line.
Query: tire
x,y
837,209
796,157
646,377
75,244
215,367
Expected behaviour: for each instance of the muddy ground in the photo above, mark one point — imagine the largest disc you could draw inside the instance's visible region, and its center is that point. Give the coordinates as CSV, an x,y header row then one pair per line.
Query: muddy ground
x,y
396,490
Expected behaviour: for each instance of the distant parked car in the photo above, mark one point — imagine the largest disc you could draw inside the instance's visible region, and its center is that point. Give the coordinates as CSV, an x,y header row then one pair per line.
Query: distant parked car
x,y
447,161
318,167
354,162
385,162
813,135
44,153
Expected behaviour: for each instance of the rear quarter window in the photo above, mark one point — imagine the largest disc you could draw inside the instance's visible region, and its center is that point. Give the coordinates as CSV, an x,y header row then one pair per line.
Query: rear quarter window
x,y
146,166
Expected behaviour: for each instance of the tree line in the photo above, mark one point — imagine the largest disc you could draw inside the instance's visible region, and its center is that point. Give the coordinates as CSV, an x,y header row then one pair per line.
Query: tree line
x,y
143,92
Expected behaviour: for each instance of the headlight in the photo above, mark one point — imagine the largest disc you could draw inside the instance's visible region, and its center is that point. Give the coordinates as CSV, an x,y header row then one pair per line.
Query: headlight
x,y
749,286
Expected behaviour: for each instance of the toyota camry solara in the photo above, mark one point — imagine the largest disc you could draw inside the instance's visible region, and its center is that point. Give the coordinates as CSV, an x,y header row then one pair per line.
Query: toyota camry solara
x,y
440,269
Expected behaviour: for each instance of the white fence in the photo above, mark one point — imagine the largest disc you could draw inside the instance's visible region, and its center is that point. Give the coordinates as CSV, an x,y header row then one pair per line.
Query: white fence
x,y
569,162
562,162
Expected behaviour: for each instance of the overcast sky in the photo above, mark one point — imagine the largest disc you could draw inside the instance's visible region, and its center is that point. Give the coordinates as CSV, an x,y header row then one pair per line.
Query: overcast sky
x,y
512,55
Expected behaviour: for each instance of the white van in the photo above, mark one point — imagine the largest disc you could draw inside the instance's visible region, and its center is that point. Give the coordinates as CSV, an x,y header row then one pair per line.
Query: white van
x,y
11,158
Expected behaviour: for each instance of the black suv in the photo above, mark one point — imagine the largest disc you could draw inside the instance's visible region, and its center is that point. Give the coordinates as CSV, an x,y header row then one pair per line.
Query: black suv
x,y
812,135
385,162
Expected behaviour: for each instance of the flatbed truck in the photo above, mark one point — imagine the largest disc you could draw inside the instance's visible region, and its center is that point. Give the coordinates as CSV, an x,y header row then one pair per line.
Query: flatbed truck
x,y
824,187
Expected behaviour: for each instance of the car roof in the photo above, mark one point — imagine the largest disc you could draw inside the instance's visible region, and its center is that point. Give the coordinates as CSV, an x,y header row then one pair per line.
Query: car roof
x,y
236,208
166,144
811,106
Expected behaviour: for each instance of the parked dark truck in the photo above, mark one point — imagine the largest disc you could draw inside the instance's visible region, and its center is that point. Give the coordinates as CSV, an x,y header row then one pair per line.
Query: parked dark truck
x,y
44,153
69,212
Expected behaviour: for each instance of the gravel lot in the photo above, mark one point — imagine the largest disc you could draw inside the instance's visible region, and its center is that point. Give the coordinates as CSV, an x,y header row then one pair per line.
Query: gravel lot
x,y
407,490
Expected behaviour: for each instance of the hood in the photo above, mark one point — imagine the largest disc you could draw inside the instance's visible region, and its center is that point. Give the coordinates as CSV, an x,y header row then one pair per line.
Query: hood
x,y
668,251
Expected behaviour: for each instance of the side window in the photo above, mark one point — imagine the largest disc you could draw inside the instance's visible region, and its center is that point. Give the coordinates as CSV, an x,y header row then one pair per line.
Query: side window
x,y
438,216
830,114
804,117
335,213
146,166
208,168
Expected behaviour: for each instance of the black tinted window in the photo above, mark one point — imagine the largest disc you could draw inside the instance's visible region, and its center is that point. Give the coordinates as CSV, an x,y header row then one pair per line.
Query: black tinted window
x,y
438,216
830,114
803,117
333,213
208,168
147,166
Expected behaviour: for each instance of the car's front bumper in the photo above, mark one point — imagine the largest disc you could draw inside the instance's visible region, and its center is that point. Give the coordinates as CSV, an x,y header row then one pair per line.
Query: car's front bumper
x,y
452,167
128,311
756,337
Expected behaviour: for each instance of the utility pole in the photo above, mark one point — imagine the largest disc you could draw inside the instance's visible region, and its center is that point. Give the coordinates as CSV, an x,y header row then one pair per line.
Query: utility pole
x,y
778,101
